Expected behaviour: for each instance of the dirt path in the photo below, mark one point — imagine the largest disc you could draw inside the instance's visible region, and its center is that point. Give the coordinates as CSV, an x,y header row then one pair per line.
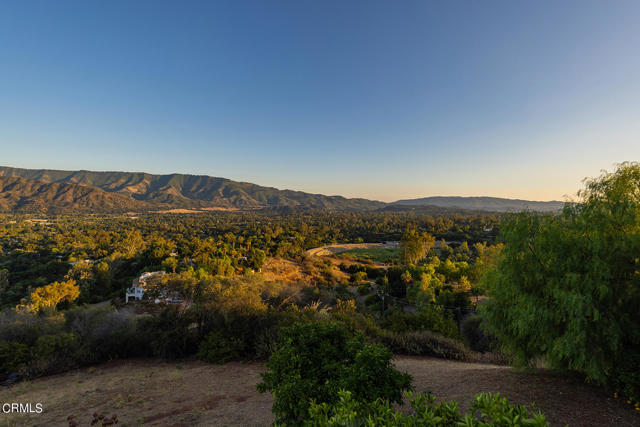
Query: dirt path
x,y
192,393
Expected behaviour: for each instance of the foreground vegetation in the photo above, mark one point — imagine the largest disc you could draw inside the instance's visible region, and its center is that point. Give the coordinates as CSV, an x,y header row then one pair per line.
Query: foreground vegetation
x,y
567,287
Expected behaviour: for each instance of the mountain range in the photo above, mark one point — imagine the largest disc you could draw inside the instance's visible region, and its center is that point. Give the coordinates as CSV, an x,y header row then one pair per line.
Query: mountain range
x,y
53,191
494,204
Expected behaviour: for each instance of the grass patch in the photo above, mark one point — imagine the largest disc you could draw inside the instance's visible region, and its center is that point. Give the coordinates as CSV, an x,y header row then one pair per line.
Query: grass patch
x,y
381,255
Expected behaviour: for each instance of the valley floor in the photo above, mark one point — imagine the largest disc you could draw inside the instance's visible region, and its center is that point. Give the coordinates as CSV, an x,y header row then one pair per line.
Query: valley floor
x,y
187,393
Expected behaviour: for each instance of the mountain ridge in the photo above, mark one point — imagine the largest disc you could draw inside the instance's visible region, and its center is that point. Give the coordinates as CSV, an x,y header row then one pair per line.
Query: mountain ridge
x,y
494,204
191,191
117,190
26,195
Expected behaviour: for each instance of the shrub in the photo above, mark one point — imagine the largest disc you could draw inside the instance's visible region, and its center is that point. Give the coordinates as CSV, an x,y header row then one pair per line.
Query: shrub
x,y
372,300
61,344
358,322
626,377
316,360
487,409
221,347
429,318
423,343
450,298
13,356
26,328
266,343
118,335
472,328
364,288
342,292
243,336
358,277
169,334
52,354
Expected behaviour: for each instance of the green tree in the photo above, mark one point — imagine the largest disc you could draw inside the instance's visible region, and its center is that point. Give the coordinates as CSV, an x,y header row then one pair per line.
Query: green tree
x,y
317,360
170,264
257,258
48,297
82,275
567,287
415,246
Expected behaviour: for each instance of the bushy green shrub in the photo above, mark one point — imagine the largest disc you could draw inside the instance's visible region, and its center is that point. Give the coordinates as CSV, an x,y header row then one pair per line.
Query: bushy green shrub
x,y
449,298
372,300
169,334
316,360
13,356
364,288
26,328
429,318
487,409
119,335
252,336
222,347
358,322
626,377
105,333
473,332
358,277
342,292
423,343
53,354
61,344
267,343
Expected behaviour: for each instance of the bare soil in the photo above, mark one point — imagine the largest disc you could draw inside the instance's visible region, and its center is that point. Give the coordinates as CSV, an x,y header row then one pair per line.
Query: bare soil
x,y
192,393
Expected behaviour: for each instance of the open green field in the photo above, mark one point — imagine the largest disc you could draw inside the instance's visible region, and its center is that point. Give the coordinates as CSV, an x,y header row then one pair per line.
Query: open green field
x,y
381,255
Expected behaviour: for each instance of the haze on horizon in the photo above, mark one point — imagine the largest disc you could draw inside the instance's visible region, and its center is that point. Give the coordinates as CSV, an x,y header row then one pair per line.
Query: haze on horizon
x,y
368,99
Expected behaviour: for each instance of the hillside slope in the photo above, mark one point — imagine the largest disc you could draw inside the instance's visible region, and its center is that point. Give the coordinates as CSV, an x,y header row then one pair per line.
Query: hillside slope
x,y
493,204
191,191
144,191
26,195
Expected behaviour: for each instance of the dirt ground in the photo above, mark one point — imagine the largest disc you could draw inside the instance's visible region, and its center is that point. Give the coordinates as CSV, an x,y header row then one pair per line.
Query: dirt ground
x,y
192,393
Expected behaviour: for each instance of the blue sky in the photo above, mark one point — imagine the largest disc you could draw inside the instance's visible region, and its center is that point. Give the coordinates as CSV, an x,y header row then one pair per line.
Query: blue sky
x,y
384,100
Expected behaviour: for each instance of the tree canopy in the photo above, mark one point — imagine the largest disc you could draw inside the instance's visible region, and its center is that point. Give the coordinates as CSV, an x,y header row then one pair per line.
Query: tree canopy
x,y
566,287
415,245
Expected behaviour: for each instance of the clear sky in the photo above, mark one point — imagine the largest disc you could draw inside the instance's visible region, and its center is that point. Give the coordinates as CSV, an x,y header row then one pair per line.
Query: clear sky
x,y
384,100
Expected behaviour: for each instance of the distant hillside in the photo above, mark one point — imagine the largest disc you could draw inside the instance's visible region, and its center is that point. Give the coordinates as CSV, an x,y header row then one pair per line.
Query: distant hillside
x,y
429,210
186,191
26,195
494,204
57,191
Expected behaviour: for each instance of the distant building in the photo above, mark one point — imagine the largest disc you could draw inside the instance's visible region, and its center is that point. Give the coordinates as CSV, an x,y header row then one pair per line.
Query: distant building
x,y
136,291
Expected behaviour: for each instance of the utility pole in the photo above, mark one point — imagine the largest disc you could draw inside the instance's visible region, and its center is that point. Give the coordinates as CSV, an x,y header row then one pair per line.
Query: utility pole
x,y
381,295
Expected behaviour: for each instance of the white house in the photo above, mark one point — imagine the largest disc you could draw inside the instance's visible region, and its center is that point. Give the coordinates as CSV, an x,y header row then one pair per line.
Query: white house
x,y
136,291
